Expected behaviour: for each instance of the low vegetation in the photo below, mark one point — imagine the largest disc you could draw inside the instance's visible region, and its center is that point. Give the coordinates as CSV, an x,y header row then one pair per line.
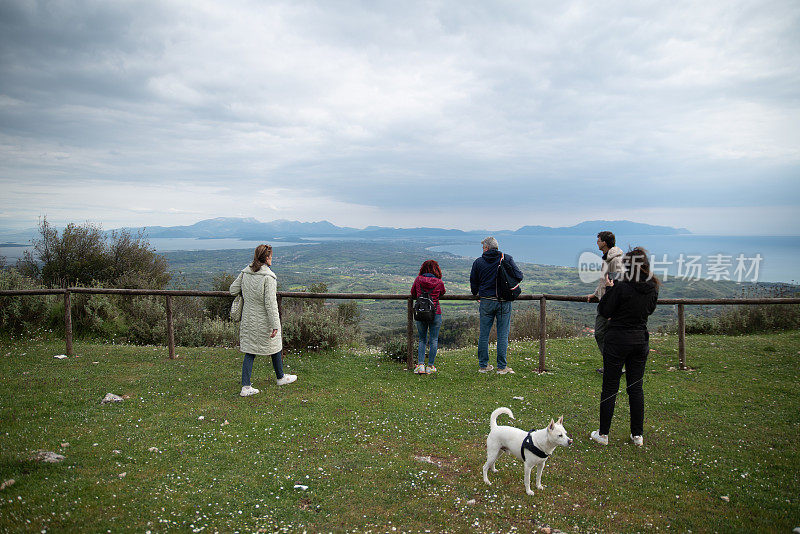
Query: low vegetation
x,y
751,318
358,444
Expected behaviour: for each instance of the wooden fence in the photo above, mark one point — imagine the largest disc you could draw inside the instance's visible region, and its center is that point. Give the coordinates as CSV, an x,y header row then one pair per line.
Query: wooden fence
x,y
542,299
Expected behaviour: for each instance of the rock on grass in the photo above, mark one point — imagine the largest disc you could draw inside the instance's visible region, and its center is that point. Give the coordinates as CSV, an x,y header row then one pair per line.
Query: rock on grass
x,y
48,457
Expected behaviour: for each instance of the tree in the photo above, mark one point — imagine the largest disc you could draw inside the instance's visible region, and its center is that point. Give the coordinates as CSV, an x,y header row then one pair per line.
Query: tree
x,y
83,255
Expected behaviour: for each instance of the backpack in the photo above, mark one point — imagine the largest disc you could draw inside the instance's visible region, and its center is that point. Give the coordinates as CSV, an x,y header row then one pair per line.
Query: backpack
x,y
507,286
424,308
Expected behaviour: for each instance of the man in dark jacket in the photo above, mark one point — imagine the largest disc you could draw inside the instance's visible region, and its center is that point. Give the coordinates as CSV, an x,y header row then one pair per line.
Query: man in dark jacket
x,y
483,282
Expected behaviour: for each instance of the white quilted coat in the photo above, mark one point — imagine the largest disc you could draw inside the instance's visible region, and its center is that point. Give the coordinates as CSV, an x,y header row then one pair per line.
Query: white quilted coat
x,y
260,313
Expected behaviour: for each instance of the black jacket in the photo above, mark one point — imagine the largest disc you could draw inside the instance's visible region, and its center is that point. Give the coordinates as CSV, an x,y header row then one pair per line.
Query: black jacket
x,y
483,278
627,305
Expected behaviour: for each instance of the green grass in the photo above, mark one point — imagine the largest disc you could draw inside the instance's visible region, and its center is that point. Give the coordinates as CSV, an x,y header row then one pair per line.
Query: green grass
x,y
350,429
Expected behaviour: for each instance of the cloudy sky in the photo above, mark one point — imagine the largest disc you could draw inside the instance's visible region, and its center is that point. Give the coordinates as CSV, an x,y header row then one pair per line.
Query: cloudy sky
x,y
443,113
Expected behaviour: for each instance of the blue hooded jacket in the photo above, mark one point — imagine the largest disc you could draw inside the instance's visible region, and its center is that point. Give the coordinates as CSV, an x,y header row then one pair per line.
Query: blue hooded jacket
x,y
483,278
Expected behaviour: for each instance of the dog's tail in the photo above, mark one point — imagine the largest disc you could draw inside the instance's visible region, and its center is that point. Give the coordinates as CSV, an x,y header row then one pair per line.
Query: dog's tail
x,y
497,412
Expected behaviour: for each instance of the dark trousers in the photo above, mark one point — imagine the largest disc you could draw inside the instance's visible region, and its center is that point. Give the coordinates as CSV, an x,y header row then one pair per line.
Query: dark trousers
x,y
247,366
633,357
600,329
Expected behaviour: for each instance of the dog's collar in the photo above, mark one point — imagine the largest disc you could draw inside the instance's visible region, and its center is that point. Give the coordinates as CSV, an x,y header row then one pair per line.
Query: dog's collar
x,y
527,444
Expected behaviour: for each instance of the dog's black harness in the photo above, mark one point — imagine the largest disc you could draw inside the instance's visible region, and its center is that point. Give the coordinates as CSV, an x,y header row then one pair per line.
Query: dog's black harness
x,y
527,444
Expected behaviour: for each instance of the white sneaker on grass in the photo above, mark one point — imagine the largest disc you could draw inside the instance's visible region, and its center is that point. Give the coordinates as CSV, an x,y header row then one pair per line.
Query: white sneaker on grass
x,y
505,371
430,369
486,369
419,369
637,440
247,391
602,439
287,379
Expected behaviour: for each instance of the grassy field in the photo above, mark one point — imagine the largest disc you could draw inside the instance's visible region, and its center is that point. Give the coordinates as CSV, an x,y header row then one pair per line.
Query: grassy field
x,y
352,429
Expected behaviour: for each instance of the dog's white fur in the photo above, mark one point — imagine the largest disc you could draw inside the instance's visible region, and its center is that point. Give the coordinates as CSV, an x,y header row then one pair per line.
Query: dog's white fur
x,y
508,438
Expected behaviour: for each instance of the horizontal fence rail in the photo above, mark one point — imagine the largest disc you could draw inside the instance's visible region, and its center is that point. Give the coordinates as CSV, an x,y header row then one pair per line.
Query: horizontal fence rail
x,y
541,298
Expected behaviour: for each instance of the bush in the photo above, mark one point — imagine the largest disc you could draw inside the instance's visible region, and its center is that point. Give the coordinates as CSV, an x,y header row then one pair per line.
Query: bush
x,y
19,314
220,307
315,328
219,333
310,324
459,331
751,318
83,255
526,324
395,348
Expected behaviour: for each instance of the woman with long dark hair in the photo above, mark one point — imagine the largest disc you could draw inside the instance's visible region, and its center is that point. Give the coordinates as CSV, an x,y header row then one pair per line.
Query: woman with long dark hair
x,y
627,303
428,281
260,328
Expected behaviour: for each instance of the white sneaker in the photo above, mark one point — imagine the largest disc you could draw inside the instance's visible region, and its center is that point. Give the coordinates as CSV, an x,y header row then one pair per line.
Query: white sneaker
x,y
637,440
486,369
430,369
419,369
247,391
602,439
287,379
505,371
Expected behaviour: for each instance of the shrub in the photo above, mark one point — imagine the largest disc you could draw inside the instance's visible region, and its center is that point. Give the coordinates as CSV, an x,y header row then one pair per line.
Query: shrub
x,y
146,319
19,314
84,255
220,307
395,348
526,324
349,313
459,331
315,328
219,333
751,318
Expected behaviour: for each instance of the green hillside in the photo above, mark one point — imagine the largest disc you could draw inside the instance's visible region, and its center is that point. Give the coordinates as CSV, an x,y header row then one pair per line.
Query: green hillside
x,y
390,267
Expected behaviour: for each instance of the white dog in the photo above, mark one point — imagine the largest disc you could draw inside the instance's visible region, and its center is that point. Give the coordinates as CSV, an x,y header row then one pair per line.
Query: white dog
x,y
533,447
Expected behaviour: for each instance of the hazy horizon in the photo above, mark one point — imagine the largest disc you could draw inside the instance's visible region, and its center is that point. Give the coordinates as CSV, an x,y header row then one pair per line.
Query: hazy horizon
x,y
8,230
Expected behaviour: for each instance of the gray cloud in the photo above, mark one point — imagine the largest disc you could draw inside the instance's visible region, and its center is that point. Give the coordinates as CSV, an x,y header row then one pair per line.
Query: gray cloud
x,y
359,107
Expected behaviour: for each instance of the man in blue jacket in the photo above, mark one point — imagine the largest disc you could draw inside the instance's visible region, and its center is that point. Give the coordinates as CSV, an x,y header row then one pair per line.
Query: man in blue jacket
x,y
483,282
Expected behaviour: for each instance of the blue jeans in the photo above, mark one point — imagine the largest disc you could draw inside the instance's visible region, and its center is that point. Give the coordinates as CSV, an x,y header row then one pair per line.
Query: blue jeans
x,y
429,332
489,310
247,366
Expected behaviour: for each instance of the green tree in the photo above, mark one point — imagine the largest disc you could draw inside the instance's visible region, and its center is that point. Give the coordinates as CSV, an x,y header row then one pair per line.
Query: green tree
x,y
83,255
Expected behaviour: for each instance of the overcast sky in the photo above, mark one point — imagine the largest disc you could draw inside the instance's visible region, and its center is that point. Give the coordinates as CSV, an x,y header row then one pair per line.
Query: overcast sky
x,y
452,113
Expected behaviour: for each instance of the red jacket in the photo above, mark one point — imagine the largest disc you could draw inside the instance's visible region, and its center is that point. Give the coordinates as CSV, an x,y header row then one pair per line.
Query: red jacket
x,y
434,286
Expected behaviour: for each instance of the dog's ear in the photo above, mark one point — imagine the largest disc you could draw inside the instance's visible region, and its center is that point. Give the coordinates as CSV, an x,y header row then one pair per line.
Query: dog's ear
x,y
560,420
552,424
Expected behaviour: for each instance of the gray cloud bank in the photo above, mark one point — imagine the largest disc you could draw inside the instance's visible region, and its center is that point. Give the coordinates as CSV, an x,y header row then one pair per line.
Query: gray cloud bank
x,y
480,114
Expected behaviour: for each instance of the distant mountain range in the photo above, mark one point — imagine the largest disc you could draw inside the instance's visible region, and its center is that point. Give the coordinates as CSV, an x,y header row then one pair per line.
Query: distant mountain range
x,y
254,230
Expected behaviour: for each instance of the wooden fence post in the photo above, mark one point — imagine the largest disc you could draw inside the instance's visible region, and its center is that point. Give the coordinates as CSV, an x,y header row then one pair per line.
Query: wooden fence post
x,y
410,334
68,321
681,338
170,329
542,332
280,307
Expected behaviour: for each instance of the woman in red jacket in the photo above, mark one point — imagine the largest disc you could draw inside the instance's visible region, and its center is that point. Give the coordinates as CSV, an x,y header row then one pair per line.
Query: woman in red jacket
x,y
429,281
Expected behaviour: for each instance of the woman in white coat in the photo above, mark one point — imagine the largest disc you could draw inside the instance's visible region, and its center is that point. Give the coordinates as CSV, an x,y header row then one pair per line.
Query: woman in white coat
x,y
260,328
